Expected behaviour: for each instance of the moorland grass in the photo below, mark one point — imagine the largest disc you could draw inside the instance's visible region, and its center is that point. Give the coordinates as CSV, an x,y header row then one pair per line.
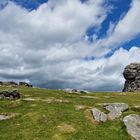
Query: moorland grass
x,y
42,120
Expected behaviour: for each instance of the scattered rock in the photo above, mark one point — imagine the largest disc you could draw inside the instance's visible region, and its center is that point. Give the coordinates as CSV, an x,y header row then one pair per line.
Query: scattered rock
x,y
89,97
12,83
4,117
115,109
54,100
98,115
132,123
76,91
49,100
25,84
31,99
132,75
9,94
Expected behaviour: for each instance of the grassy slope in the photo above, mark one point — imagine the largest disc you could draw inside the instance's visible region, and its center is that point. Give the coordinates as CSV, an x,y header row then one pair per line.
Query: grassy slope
x,y
39,120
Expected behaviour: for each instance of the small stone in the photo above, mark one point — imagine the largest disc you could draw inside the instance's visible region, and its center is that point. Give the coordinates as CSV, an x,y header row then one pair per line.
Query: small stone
x,y
4,117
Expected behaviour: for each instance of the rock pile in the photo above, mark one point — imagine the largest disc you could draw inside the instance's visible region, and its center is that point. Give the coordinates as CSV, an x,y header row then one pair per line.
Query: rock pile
x,y
9,94
132,75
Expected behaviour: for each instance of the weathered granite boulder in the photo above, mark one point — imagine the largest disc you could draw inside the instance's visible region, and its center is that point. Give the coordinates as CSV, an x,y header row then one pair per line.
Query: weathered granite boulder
x,y
132,123
25,84
98,115
115,109
77,91
9,94
132,75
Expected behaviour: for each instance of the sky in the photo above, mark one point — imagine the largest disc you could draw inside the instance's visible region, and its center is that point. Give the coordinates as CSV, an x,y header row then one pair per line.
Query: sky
x,y
82,44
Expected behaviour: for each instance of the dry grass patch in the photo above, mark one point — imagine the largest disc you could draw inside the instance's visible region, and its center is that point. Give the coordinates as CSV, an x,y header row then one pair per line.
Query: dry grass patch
x,y
82,107
66,128
89,97
5,116
89,116
54,100
58,137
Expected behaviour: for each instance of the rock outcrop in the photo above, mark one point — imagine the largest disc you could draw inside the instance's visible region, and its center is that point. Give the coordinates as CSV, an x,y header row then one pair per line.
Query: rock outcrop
x,y
132,123
132,75
25,84
9,94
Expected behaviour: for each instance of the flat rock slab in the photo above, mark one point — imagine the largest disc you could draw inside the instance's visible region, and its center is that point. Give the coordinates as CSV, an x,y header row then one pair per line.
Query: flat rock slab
x,y
4,117
115,109
89,97
98,115
116,106
132,123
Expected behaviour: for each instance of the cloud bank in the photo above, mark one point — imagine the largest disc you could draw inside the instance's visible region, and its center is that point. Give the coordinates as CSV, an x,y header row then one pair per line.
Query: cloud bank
x,y
48,46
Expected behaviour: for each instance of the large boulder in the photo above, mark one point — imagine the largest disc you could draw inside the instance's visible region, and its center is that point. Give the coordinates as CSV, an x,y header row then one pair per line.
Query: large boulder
x,y
132,123
132,76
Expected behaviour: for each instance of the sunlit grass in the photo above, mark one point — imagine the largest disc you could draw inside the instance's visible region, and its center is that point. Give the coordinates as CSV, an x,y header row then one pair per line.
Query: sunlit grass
x,y
42,120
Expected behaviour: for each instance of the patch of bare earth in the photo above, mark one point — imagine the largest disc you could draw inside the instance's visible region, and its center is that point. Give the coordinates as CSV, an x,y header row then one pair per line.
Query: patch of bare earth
x,y
82,107
89,97
48,100
54,100
89,116
5,116
58,137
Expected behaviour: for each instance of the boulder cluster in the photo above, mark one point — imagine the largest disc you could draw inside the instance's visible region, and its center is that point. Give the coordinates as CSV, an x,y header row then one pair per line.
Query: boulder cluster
x,y
115,111
132,75
9,94
14,84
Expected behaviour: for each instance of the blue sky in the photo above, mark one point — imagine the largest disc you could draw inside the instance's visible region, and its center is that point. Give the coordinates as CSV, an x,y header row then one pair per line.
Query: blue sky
x,y
69,43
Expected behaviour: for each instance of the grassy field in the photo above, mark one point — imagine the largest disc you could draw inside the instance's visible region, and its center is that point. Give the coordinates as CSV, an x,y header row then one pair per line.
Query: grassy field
x,y
55,115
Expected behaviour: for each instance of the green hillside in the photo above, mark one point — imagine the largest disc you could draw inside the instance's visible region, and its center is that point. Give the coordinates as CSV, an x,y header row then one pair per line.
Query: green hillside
x,y
42,114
